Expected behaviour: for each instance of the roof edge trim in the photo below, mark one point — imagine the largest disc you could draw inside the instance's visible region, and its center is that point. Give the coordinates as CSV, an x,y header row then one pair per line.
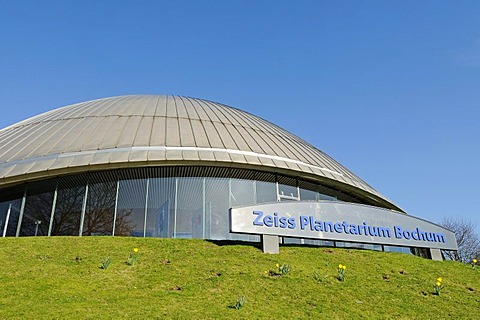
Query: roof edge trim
x,y
165,148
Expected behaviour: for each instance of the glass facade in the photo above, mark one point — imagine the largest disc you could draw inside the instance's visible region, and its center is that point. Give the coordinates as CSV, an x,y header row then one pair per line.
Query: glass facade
x,y
165,202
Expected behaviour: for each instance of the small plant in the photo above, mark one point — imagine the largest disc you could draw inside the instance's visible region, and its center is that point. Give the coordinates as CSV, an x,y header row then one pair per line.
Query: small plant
x,y
283,269
342,270
105,263
132,257
474,263
240,302
317,277
438,286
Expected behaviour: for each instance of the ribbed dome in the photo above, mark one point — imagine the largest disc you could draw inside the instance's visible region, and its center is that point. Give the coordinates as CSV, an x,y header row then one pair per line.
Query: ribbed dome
x,y
141,130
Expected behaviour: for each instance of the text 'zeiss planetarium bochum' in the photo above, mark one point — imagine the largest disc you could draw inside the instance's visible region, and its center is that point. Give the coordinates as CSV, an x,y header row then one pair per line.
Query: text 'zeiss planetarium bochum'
x,y
179,167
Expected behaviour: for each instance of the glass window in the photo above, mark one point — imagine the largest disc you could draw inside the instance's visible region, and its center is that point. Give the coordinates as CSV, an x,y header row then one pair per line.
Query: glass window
x,y
161,208
38,209
189,213
130,217
10,203
242,192
265,191
287,188
100,209
397,249
357,245
68,208
9,210
216,207
308,191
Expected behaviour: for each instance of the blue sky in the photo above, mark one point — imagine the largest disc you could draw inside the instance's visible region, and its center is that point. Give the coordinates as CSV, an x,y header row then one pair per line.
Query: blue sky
x,y
389,89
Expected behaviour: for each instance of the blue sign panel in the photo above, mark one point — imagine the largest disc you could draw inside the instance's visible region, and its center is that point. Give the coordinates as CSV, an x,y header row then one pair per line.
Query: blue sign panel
x,y
340,221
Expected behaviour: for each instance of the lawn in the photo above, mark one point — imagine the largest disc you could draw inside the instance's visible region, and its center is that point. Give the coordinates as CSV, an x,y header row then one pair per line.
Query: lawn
x,y
61,277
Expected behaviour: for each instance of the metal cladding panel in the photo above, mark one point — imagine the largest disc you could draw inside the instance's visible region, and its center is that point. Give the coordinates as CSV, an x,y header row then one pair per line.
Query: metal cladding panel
x,y
240,142
137,155
119,157
19,168
158,137
201,139
170,128
190,155
192,113
156,155
4,170
181,109
227,139
238,158
223,156
212,135
142,137
60,142
173,132
94,140
186,133
83,159
129,132
171,109
267,162
61,162
114,132
174,155
41,165
101,158
161,107
88,127
206,156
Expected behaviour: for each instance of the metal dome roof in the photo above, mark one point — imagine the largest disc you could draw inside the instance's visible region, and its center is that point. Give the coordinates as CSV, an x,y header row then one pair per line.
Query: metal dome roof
x,y
141,130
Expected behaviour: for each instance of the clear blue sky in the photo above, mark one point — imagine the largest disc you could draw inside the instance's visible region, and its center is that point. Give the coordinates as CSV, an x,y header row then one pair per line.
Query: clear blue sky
x,y
390,89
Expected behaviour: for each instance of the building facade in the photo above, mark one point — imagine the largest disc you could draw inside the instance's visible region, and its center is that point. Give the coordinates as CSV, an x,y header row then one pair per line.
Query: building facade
x,y
163,166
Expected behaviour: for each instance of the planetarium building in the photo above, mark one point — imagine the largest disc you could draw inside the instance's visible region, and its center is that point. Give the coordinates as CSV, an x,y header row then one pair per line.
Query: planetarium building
x,y
179,167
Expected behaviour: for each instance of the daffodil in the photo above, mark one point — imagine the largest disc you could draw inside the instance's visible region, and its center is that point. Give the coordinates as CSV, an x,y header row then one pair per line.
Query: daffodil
x,y
440,279
277,265
475,261
340,266
135,250
344,267
439,284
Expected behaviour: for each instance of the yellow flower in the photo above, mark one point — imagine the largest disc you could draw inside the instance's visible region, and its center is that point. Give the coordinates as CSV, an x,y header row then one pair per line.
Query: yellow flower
x,y
340,266
439,284
135,250
344,267
277,265
475,261
440,279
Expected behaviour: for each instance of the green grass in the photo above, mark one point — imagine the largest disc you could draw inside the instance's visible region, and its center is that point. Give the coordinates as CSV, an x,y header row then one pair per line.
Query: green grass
x,y
60,278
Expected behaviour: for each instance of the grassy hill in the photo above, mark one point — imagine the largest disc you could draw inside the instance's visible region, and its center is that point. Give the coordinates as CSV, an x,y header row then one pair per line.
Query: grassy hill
x,y
60,277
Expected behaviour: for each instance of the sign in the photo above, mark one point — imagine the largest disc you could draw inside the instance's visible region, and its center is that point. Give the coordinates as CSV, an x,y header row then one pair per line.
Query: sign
x,y
340,221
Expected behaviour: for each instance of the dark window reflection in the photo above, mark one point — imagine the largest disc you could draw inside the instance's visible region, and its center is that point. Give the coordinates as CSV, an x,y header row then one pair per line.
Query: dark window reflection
x,y
68,210
10,202
36,215
100,209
